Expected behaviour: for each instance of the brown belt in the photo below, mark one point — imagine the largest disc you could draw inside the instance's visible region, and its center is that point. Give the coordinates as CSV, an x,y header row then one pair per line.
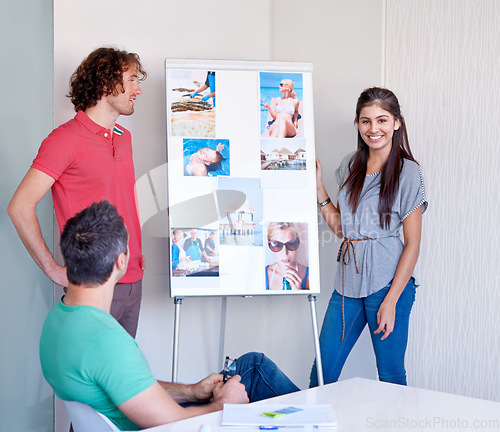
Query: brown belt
x,y
345,255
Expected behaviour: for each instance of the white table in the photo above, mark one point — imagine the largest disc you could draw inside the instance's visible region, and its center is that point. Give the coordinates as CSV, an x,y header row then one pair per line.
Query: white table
x,y
366,405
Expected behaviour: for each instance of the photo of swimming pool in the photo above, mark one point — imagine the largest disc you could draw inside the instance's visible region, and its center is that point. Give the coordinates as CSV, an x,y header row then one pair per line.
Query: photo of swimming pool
x,y
190,146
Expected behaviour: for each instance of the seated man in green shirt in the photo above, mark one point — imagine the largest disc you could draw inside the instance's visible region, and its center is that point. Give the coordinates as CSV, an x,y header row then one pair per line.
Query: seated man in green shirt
x,y
88,357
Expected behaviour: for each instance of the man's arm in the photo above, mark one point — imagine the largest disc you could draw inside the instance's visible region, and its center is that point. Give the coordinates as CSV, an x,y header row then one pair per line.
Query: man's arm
x,y
202,391
207,246
155,406
22,212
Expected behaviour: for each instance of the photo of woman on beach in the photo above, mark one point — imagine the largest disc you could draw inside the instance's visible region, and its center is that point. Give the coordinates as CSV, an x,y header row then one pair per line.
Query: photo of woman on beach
x,y
281,105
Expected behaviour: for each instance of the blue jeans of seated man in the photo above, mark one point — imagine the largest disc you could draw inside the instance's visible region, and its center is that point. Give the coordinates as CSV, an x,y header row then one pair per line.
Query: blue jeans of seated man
x,y
390,352
262,378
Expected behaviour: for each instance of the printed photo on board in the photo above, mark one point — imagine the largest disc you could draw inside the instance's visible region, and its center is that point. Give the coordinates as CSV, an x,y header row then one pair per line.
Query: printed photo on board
x,y
192,103
283,154
243,226
287,260
281,96
194,252
206,157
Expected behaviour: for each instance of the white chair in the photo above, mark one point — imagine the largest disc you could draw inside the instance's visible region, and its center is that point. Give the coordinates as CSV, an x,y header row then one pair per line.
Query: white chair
x,y
84,418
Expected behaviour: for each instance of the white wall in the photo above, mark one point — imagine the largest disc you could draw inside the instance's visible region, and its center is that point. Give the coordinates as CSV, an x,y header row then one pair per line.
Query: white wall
x,y
443,60
330,34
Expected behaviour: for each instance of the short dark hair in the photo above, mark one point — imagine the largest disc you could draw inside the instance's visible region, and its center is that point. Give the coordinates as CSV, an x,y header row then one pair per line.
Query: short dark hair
x,y
91,242
101,74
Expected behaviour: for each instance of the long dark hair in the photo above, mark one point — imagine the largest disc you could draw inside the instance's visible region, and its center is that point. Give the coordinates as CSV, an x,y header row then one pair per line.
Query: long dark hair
x,y
389,182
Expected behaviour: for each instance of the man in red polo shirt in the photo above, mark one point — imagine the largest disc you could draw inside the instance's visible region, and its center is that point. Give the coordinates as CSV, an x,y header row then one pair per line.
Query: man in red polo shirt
x,y
85,160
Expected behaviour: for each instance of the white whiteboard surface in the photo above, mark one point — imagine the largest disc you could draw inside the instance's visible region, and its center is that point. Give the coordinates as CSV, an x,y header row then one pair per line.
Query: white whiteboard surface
x,y
226,202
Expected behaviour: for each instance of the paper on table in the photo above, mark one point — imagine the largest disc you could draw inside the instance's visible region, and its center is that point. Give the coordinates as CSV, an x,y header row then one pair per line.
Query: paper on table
x,y
251,415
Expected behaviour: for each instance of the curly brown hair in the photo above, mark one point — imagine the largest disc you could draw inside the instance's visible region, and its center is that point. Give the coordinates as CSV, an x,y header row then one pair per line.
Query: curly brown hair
x,y
101,74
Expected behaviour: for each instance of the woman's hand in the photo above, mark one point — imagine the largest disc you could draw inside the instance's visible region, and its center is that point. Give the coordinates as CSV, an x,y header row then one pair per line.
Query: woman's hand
x,y
320,187
293,277
271,108
386,318
319,171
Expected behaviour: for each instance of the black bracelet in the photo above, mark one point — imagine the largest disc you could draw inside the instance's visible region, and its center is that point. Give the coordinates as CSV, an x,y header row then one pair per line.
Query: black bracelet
x,y
325,202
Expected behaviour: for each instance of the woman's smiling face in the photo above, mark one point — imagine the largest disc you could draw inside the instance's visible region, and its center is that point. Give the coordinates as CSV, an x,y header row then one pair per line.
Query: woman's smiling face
x,y
376,127
178,235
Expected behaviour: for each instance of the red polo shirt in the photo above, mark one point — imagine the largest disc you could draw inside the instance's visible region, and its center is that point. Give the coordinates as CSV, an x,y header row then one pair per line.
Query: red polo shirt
x,y
88,165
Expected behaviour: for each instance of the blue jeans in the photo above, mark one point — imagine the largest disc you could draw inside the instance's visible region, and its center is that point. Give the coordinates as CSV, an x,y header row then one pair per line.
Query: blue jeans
x,y
390,352
262,378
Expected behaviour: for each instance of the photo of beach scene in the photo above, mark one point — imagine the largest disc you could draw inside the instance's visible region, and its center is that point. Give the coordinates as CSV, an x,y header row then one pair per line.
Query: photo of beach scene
x,y
191,97
241,226
281,105
283,154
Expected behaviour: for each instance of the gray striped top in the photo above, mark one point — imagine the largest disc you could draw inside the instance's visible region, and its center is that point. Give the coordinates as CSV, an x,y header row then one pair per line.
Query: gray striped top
x,y
377,258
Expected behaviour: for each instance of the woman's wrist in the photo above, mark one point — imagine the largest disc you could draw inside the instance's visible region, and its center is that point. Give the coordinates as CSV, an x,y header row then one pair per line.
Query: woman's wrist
x,y
391,298
324,202
321,195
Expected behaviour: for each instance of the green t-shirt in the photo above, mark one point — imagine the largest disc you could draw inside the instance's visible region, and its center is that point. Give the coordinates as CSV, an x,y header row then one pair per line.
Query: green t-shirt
x,y
88,357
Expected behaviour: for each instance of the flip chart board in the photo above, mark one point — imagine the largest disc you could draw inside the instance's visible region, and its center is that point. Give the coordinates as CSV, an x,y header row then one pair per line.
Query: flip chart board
x,y
241,178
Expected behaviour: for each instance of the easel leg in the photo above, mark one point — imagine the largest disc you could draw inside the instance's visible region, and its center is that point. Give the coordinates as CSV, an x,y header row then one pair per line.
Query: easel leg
x,y
222,334
319,365
175,355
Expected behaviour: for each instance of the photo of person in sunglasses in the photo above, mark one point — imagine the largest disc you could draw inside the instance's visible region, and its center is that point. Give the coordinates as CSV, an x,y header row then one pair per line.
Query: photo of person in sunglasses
x,y
286,273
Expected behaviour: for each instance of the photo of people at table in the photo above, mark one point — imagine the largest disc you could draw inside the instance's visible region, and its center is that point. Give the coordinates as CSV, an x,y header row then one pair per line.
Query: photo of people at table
x,y
194,252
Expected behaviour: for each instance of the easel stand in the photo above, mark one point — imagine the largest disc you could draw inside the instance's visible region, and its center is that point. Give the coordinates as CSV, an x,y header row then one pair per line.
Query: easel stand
x,y
175,351
177,319
314,318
